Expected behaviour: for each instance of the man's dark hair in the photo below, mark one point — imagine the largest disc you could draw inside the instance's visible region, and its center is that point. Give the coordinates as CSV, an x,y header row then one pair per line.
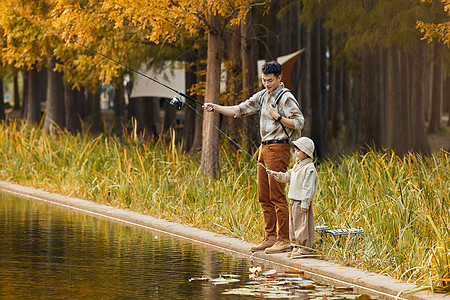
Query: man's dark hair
x,y
271,67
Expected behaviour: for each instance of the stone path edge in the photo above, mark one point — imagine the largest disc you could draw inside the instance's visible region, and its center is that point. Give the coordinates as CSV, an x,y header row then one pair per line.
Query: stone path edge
x,y
380,286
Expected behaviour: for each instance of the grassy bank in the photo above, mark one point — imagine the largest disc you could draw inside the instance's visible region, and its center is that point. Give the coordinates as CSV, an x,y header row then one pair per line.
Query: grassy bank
x,y
402,204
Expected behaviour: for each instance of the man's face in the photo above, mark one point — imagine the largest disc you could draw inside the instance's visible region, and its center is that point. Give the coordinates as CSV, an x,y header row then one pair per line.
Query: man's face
x,y
270,82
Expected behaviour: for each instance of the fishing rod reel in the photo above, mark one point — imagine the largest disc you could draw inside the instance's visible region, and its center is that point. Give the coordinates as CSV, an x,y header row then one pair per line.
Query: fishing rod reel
x,y
177,101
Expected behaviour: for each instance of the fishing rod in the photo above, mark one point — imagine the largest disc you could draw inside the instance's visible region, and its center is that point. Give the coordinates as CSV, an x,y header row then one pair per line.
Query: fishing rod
x,y
175,101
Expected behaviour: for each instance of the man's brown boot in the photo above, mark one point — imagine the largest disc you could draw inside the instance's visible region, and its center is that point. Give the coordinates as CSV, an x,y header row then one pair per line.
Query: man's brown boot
x,y
268,241
281,245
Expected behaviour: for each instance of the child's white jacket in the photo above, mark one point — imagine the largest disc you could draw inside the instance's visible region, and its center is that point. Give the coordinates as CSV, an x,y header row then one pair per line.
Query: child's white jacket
x,y
303,181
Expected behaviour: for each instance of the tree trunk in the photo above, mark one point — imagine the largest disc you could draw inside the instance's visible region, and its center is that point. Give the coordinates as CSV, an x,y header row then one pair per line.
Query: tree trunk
x,y
404,114
447,96
250,123
25,93
382,92
72,99
392,96
305,81
353,108
398,108
2,101
210,156
170,112
317,116
273,32
198,136
419,138
369,128
55,98
33,111
189,114
145,111
234,82
94,112
436,98
427,62
119,107
16,93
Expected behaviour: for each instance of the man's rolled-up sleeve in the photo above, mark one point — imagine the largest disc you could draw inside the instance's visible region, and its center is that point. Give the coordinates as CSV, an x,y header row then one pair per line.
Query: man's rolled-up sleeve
x,y
248,107
294,113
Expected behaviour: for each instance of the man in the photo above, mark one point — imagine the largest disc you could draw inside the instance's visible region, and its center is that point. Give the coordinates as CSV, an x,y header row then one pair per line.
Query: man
x,y
279,118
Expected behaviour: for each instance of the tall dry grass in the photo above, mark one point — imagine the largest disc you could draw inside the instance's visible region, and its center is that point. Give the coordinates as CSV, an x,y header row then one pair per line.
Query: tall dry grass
x,y
401,203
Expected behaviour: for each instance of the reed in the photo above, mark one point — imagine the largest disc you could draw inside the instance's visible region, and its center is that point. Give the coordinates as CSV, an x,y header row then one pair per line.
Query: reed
x,y
401,203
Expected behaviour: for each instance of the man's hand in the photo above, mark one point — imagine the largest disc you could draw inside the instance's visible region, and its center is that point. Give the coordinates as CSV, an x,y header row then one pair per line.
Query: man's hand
x,y
209,106
273,112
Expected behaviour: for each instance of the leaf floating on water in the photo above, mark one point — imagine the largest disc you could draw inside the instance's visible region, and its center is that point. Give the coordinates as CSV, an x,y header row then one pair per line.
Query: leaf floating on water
x,y
304,282
343,289
222,280
203,278
298,272
269,272
352,297
243,291
263,281
230,276
306,287
286,275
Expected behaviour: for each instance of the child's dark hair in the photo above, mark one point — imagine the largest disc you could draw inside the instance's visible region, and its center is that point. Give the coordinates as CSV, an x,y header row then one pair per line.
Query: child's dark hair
x,y
271,67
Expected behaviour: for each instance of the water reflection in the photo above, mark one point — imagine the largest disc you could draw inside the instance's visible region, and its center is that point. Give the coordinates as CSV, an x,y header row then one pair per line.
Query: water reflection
x,y
48,252
53,253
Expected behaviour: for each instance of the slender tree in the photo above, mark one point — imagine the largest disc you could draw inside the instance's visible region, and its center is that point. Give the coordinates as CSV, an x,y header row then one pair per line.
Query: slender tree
x,y
55,115
250,123
210,163
2,101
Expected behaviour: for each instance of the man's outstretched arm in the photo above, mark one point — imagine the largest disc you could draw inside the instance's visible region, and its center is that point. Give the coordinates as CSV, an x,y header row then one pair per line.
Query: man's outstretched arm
x,y
225,110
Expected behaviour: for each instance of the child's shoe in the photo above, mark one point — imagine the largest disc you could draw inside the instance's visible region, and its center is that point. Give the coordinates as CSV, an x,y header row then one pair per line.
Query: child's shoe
x,y
296,255
290,252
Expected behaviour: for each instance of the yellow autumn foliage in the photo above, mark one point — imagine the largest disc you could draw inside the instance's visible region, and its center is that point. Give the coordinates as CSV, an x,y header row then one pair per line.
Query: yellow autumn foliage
x,y
437,31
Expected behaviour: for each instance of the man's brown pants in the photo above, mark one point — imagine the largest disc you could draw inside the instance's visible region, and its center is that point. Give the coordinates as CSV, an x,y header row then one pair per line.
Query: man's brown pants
x,y
271,193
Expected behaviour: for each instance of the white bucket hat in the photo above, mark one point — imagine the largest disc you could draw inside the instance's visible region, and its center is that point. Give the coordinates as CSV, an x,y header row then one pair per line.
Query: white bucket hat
x,y
306,145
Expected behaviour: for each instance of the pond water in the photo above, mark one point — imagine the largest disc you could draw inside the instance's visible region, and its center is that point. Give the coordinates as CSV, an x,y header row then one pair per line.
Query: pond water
x,y
48,252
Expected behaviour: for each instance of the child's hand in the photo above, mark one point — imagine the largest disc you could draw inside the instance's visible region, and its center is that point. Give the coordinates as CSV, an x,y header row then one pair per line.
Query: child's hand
x,y
271,173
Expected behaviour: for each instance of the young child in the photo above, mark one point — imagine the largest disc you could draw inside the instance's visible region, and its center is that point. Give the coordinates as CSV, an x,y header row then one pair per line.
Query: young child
x,y
302,191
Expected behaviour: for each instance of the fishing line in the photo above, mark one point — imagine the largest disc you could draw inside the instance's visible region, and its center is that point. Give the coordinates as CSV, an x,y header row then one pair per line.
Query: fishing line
x,y
176,101
265,168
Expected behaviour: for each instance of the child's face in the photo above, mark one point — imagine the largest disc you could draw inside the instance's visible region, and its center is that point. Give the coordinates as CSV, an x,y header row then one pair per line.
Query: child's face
x,y
300,154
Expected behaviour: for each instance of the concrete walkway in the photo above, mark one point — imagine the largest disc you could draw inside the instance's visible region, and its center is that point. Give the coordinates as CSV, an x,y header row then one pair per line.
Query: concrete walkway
x,y
379,286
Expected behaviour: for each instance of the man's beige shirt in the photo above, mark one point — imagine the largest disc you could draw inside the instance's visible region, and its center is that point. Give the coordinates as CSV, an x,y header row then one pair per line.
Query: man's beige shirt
x,y
270,129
